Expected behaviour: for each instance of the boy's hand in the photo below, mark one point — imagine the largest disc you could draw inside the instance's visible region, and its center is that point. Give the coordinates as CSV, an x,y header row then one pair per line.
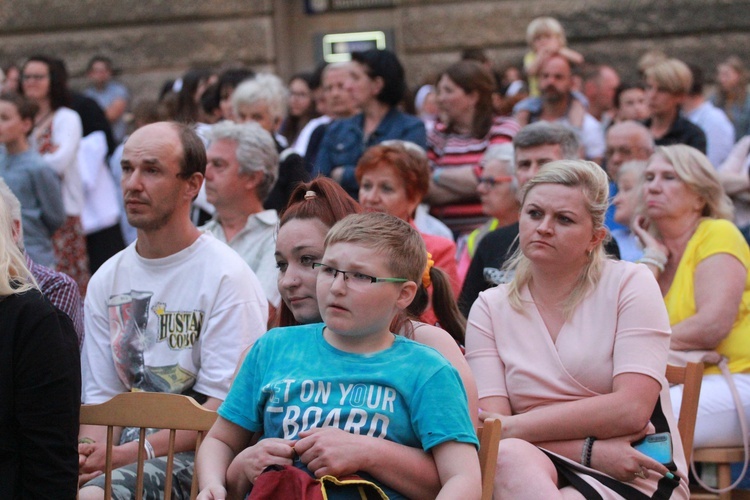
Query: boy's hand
x,y
332,451
253,460
212,492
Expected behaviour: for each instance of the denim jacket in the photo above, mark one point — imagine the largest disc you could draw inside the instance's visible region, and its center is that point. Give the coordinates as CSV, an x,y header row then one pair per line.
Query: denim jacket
x,y
344,143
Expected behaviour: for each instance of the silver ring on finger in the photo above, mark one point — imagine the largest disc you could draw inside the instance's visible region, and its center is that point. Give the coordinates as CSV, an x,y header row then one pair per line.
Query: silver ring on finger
x,y
641,473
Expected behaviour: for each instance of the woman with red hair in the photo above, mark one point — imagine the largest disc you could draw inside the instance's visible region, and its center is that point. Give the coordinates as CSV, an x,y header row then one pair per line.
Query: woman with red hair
x,y
393,177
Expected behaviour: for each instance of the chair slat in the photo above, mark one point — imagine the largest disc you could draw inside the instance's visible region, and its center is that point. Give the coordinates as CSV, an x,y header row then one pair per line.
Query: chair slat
x,y
170,465
691,376
194,486
489,441
139,462
108,464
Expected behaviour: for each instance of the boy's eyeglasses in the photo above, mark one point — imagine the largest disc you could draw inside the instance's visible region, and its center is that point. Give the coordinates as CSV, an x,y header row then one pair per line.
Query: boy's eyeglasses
x,y
352,278
489,180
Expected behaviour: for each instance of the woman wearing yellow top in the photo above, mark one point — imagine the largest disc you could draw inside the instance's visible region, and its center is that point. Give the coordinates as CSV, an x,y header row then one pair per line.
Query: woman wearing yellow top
x,y
700,260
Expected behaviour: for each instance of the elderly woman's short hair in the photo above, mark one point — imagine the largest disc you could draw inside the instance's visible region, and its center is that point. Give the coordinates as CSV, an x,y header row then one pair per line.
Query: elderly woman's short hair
x,y
633,166
256,150
503,153
694,169
411,167
266,88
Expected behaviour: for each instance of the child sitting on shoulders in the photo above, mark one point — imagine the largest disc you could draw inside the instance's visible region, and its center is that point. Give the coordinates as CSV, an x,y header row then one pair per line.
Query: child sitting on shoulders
x,y
546,37
349,374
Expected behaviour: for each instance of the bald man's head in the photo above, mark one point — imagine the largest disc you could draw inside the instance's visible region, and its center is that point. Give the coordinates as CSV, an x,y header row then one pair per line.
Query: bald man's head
x,y
627,141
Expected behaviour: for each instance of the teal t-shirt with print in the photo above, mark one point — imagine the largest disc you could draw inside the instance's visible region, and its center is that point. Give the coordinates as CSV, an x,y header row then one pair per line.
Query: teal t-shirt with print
x,y
293,380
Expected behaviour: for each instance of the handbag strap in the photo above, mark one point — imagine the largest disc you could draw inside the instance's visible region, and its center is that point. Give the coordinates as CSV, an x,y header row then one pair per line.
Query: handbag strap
x,y
658,419
723,365
571,471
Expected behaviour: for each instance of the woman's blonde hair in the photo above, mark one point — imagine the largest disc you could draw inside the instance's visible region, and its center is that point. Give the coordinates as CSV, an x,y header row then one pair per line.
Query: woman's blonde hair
x,y
592,180
15,277
695,170
672,75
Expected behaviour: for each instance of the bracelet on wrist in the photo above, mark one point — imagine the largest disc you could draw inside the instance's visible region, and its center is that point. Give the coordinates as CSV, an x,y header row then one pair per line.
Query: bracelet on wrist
x,y
657,255
588,446
149,449
647,260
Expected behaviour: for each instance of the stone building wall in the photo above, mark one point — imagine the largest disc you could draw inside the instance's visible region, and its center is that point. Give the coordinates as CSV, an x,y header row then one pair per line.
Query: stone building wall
x,y
151,40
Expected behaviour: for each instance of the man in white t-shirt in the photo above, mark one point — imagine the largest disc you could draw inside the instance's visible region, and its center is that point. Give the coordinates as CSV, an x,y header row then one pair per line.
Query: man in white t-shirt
x,y
170,313
242,168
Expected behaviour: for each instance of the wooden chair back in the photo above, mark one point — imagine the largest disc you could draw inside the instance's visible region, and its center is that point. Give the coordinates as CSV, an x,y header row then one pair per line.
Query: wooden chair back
x,y
489,441
691,376
149,410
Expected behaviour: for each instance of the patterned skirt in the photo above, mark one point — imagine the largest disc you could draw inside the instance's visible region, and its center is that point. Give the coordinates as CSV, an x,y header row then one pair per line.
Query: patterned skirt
x,y
70,252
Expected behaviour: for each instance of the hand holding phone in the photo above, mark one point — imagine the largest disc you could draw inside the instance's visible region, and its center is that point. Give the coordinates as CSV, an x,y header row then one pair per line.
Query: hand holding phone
x,y
657,446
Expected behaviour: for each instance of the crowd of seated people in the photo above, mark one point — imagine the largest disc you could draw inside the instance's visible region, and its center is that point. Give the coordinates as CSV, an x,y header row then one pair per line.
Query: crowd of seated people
x,y
288,254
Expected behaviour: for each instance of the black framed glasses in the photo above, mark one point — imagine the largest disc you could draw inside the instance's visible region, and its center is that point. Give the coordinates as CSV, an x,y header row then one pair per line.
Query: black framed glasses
x,y
352,277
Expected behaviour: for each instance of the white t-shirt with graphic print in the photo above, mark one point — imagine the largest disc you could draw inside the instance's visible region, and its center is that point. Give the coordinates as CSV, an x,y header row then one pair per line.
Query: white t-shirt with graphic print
x,y
175,324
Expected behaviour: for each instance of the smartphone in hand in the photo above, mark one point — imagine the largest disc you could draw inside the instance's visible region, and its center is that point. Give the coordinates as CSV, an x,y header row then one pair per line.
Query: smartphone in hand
x,y
657,446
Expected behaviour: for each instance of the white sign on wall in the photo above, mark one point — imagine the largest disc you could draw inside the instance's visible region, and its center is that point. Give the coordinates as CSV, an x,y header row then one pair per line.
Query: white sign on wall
x,y
339,47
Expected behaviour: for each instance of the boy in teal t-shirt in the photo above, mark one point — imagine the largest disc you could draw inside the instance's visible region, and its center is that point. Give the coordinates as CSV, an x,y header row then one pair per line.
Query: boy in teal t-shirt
x,y
350,372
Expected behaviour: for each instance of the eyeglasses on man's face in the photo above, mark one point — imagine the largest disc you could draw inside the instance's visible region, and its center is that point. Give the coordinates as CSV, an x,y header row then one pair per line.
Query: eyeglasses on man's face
x,y
490,180
352,278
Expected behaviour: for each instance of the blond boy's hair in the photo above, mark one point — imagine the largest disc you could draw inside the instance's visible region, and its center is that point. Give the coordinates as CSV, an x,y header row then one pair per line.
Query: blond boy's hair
x,y
401,244
545,26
